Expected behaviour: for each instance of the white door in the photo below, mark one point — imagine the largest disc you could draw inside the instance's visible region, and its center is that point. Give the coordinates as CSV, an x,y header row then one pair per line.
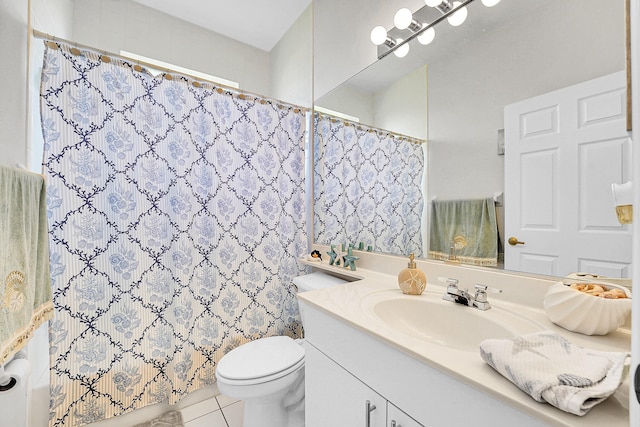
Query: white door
x,y
563,150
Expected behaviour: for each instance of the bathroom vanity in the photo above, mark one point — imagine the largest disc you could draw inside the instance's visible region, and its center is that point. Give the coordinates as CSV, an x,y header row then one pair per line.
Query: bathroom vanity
x,y
376,357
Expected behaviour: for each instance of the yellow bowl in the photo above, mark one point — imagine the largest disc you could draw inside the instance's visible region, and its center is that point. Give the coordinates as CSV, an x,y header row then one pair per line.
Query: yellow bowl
x,y
587,314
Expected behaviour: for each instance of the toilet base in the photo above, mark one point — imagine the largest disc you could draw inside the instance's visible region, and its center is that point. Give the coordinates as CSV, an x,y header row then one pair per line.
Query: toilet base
x,y
280,409
267,413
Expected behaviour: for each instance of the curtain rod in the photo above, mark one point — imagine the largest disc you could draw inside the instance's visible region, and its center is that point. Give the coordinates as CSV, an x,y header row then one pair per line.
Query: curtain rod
x,y
369,128
50,38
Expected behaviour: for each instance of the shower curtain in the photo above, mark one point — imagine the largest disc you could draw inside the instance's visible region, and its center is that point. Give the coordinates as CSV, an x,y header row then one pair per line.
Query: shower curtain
x,y
176,215
367,187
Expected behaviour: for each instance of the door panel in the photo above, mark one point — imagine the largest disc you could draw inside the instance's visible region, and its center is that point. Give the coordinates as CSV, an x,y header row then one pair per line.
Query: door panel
x,y
563,150
600,162
334,397
539,182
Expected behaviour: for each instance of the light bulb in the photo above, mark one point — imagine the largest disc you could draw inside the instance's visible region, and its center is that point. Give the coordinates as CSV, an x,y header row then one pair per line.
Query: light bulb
x,y
402,51
427,36
432,3
378,35
459,16
490,3
403,18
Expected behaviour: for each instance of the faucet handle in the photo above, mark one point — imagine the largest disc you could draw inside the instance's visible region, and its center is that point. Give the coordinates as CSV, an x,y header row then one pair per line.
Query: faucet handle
x,y
486,288
481,292
452,285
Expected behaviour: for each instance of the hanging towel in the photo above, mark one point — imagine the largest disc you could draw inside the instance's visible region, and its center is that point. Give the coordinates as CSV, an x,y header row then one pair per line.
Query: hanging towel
x,y
551,369
469,226
25,288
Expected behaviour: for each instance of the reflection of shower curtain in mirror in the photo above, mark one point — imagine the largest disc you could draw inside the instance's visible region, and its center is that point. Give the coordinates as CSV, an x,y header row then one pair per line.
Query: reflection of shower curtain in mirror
x,y
367,187
176,218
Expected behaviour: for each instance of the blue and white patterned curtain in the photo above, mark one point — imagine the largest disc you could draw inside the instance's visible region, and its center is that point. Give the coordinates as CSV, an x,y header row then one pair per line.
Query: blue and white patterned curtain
x,y
176,217
367,187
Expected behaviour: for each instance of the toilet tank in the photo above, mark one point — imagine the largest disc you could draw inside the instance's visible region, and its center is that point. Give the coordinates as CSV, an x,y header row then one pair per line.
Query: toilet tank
x,y
313,281
316,280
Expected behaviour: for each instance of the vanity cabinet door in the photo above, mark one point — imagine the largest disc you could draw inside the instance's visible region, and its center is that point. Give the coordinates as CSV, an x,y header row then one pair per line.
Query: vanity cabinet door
x,y
334,397
397,418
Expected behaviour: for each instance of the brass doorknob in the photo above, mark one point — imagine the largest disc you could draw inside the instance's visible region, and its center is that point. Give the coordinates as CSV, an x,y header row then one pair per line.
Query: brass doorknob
x,y
514,241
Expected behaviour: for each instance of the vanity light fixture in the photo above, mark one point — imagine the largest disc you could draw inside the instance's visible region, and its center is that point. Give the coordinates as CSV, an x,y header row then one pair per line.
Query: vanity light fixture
x,y
378,35
403,19
459,16
427,36
420,24
402,49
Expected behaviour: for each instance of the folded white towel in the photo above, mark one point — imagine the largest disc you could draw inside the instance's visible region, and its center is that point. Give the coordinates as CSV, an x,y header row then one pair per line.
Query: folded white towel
x,y
551,369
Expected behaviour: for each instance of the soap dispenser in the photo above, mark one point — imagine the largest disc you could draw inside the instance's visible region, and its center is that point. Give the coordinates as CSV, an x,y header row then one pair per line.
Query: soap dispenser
x,y
412,280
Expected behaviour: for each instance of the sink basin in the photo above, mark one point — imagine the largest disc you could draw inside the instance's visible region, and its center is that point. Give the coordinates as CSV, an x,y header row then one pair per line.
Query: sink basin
x,y
448,324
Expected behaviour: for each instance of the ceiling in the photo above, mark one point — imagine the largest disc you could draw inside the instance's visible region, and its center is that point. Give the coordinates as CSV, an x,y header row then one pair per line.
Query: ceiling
x,y
259,23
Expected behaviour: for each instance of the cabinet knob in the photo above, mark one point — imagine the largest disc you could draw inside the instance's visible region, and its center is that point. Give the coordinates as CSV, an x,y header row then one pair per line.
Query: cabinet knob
x,y
393,424
369,408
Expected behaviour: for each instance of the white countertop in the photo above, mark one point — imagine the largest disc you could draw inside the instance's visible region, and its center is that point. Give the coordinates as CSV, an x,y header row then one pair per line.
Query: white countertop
x,y
520,295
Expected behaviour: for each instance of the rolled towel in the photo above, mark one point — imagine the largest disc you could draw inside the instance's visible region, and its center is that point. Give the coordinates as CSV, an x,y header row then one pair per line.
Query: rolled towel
x,y
551,369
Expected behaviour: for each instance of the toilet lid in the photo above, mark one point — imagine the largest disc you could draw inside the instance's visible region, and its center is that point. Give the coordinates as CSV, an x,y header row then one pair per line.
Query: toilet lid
x,y
260,358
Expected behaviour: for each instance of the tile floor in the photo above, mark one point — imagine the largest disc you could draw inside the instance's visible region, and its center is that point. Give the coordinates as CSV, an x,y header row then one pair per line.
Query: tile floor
x,y
203,408
220,411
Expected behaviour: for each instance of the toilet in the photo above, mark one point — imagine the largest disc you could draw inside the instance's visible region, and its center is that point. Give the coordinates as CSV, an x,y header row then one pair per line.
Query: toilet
x,y
268,373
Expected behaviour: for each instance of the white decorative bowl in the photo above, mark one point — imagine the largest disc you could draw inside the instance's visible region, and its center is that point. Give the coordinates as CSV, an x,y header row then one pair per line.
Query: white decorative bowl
x,y
587,314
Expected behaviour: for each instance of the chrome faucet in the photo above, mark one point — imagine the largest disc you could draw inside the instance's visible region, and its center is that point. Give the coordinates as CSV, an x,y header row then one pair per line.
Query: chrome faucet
x,y
454,293
463,297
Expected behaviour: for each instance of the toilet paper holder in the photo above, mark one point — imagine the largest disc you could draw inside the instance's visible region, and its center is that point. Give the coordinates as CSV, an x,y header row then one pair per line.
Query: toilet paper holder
x,y
8,386
6,382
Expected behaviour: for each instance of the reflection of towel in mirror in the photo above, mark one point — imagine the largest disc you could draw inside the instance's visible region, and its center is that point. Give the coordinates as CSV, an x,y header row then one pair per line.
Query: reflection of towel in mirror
x,y
469,226
551,369
25,287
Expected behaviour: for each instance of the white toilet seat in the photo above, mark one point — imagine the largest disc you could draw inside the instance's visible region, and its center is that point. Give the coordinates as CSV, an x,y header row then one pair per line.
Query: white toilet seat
x,y
268,373
260,361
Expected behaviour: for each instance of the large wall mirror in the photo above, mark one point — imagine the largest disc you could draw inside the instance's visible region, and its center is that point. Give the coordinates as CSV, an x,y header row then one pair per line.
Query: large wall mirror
x,y
454,90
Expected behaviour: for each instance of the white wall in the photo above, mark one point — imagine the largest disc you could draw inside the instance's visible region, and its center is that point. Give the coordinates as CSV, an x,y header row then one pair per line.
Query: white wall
x,y
53,17
466,107
351,100
291,61
126,25
13,81
402,106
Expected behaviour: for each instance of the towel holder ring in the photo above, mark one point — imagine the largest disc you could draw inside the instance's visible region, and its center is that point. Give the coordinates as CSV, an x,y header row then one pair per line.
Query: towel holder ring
x,y
8,386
